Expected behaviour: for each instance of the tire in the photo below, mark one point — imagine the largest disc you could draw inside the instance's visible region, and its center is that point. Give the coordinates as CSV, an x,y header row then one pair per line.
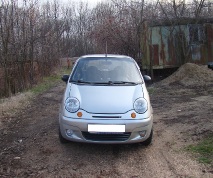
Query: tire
x,y
148,141
210,66
61,138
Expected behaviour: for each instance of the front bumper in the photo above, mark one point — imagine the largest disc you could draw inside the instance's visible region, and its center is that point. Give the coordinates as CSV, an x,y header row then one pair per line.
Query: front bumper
x,y
78,130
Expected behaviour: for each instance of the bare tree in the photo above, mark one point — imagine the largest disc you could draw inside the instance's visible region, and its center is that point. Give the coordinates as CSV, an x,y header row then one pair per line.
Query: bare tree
x,y
34,36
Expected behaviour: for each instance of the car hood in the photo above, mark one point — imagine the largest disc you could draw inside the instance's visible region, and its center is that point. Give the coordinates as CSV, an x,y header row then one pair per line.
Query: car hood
x,y
106,99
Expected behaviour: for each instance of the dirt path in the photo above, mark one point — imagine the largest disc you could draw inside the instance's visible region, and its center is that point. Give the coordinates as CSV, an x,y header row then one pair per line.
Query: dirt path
x,y
30,146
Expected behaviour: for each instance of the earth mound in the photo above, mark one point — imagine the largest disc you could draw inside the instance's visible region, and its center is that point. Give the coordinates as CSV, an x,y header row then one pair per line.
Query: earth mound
x,y
190,74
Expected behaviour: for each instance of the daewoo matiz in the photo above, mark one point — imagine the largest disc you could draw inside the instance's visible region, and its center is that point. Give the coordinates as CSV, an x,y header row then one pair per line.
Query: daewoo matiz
x,y
106,101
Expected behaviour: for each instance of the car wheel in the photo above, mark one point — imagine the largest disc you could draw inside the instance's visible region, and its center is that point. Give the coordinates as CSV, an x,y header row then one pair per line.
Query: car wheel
x,y
61,138
148,141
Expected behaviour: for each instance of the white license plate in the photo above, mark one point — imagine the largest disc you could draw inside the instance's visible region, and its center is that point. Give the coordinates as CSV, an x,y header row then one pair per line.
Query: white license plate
x,y
106,128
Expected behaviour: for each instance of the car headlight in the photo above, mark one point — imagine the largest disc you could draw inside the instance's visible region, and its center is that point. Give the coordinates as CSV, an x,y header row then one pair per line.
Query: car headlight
x,y
72,104
140,105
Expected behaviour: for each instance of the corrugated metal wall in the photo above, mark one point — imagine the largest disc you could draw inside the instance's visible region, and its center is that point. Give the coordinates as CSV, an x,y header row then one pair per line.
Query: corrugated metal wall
x,y
172,46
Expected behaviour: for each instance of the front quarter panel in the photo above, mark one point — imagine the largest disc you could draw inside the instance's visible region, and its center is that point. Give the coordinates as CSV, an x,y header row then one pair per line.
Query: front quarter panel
x,y
146,96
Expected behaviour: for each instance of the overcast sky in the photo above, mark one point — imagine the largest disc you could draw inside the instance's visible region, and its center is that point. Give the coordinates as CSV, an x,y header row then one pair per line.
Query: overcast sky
x,y
91,3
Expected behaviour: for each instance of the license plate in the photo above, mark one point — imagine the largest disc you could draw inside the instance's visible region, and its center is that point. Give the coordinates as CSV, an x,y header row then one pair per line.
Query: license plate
x,y
106,128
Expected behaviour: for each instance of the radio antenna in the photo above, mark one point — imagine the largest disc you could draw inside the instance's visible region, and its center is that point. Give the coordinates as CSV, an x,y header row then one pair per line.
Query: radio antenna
x,y
106,49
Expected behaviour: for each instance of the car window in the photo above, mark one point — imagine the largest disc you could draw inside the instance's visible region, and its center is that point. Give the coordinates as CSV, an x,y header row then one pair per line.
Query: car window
x,y
106,70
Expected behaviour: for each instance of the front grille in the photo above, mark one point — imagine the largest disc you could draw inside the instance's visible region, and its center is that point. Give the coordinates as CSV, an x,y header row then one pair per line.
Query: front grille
x,y
106,136
106,117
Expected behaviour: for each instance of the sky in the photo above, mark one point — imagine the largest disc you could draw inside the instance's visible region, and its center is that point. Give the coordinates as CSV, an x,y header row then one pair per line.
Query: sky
x,y
91,3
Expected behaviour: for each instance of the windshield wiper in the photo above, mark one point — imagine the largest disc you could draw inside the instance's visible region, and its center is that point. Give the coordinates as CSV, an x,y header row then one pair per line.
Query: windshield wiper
x,y
105,83
92,83
121,82
81,81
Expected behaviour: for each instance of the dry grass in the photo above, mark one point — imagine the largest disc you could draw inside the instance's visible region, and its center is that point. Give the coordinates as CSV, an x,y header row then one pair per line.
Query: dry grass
x,y
9,106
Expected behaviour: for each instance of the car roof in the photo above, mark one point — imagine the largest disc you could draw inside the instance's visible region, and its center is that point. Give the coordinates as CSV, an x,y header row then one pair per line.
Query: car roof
x,y
106,55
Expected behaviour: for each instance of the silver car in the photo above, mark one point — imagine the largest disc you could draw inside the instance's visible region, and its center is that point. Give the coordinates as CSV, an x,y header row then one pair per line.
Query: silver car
x,y
106,101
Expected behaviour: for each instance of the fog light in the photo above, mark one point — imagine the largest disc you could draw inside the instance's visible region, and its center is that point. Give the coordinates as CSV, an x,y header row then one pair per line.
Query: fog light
x,y
69,132
142,133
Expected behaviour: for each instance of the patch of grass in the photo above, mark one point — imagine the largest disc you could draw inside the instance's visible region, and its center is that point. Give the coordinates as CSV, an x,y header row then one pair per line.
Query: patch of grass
x,y
151,90
65,70
204,149
49,81
45,84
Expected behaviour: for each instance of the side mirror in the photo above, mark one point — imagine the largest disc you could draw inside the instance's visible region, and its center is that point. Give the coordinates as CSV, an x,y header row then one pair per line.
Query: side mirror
x,y
147,78
65,78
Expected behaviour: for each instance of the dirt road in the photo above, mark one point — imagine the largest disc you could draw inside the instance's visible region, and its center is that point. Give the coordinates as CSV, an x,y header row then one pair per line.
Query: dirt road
x,y
30,146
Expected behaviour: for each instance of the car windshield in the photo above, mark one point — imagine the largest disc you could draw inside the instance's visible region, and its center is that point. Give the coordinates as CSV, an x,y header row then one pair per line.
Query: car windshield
x,y
106,70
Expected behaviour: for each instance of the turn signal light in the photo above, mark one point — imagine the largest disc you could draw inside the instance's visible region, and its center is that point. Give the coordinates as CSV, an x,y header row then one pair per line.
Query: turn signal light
x,y
133,115
79,114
